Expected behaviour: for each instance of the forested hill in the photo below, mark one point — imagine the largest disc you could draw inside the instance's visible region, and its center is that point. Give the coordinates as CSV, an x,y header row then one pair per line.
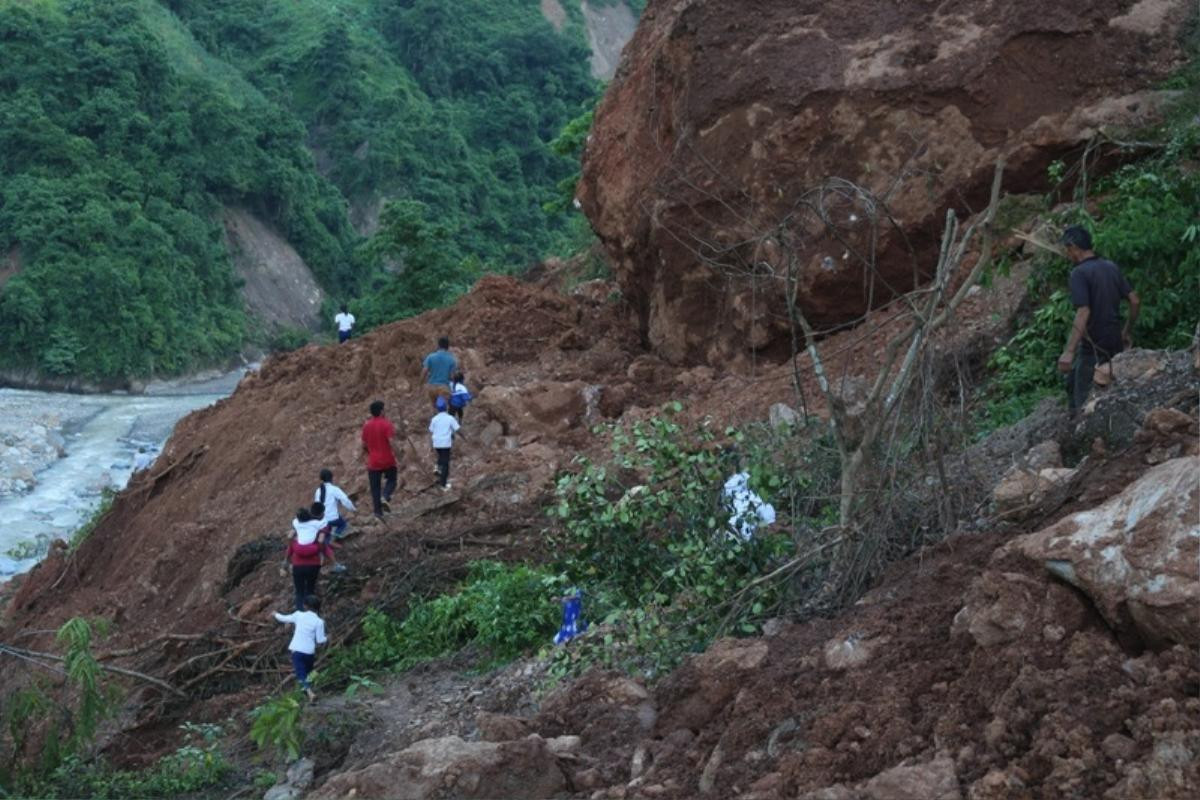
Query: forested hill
x,y
131,129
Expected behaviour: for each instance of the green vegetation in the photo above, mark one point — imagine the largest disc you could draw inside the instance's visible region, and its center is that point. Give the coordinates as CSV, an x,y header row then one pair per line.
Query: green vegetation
x,y
85,530
276,723
1146,222
661,571
127,127
198,764
114,169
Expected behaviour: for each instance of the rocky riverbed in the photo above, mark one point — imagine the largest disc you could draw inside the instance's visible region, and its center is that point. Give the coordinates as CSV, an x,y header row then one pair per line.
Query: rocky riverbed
x,y
60,452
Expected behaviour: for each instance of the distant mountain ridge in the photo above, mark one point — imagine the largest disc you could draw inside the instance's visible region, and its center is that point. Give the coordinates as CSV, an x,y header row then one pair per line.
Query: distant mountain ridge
x,y
131,130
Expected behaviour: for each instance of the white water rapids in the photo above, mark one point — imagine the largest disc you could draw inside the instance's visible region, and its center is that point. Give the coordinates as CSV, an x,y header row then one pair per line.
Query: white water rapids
x,y
104,438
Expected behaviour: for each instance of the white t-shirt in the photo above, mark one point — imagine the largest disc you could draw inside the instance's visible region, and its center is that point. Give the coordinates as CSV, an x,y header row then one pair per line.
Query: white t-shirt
x,y
443,426
310,631
306,532
333,496
344,320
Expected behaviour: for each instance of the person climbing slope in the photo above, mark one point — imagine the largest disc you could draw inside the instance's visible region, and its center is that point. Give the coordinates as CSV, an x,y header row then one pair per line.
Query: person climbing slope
x,y
345,323
333,498
437,369
442,428
309,632
459,396
304,553
380,453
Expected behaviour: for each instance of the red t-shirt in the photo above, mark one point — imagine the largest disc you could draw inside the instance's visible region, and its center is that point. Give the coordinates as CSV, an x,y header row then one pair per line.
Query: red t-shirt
x,y
377,435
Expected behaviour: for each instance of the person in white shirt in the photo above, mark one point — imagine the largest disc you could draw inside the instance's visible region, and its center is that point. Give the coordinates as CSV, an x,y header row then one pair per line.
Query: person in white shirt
x,y
309,632
332,497
443,427
345,321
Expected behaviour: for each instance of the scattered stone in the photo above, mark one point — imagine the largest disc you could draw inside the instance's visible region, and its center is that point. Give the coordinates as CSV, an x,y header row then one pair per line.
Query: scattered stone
x,y
935,780
781,414
1135,555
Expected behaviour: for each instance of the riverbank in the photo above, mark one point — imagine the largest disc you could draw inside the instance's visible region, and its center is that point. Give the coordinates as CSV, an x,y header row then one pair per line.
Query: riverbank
x,y
60,452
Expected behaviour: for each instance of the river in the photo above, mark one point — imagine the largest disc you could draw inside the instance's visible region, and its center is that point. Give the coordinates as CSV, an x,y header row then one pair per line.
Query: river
x,y
60,452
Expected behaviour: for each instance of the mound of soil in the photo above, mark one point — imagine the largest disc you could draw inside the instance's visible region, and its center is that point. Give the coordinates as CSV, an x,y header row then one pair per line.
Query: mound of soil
x,y
898,698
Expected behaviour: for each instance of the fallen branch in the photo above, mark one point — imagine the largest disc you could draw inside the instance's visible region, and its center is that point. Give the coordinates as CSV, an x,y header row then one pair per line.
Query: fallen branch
x,y
32,654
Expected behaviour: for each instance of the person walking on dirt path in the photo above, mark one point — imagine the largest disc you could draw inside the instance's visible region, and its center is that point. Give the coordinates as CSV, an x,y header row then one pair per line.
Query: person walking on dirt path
x,y
333,498
442,428
378,434
304,553
459,396
309,631
1097,289
438,367
345,323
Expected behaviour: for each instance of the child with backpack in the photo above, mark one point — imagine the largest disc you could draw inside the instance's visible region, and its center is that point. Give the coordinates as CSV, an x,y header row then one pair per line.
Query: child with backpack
x,y
459,396
332,498
309,632
306,551
442,428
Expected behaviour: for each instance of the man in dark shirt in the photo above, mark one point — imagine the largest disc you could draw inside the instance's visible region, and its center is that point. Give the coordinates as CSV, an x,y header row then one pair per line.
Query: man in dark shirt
x,y
377,435
1097,289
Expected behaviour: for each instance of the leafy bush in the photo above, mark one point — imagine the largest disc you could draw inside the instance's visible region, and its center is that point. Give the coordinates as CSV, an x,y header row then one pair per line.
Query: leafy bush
x,y
276,724
107,497
197,765
500,611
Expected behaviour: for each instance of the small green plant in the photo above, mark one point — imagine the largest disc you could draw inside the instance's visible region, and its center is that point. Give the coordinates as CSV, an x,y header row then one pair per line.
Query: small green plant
x,y
276,723
23,551
358,682
264,779
81,533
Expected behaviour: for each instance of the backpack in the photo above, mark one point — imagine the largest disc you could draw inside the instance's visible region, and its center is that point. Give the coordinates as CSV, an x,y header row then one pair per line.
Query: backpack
x,y
313,548
459,399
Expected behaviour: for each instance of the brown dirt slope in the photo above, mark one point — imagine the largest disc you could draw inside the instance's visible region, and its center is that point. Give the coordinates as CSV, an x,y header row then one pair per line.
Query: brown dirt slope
x,y
896,700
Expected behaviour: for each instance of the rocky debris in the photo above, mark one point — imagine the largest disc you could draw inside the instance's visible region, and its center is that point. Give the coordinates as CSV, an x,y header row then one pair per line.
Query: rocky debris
x,y
712,132
1135,556
278,287
28,444
297,780
781,414
523,769
1030,482
1144,380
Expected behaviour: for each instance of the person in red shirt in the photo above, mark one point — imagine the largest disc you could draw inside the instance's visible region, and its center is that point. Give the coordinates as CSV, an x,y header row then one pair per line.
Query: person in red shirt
x,y
377,435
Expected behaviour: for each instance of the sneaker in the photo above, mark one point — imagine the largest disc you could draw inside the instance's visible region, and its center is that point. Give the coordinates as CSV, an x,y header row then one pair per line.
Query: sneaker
x,y
387,506
312,696
339,568
378,515
446,488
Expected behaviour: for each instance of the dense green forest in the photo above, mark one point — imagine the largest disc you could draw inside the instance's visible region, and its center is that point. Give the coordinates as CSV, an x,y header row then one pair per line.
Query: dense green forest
x,y
127,126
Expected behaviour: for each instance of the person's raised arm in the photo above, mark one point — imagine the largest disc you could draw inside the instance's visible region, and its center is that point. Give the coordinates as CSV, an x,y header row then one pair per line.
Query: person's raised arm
x,y
285,617
1078,326
320,631
345,500
1135,305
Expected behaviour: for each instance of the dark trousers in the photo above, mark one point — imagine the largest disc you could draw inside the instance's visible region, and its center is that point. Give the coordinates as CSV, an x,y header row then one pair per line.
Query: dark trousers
x,y
343,336
1079,379
302,663
378,494
443,455
304,580
337,526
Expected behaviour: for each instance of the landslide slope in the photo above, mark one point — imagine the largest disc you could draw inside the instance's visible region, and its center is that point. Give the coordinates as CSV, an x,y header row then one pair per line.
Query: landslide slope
x,y
710,163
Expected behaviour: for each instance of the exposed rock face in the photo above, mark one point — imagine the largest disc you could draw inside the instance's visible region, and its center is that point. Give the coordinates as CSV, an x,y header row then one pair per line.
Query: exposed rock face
x,y
279,288
610,26
1135,555
724,114
451,767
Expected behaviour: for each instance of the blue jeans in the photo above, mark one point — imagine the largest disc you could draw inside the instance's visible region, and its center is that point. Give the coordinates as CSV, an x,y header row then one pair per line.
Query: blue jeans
x,y
338,525
302,663
343,336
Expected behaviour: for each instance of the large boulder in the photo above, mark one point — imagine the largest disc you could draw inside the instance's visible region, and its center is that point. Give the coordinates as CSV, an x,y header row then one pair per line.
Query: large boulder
x,y
1135,556
725,114
449,767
